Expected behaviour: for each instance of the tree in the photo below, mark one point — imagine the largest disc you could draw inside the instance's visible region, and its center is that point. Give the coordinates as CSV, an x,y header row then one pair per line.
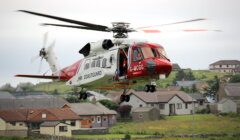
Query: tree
x,y
25,86
124,111
182,75
213,87
7,87
109,104
235,78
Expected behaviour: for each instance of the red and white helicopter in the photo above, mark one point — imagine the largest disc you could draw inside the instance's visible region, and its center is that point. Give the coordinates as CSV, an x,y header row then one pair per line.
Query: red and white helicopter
x,y
110,63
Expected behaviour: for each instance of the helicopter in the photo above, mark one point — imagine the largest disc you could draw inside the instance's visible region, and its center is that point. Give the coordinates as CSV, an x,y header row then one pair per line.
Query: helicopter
x,y
109,64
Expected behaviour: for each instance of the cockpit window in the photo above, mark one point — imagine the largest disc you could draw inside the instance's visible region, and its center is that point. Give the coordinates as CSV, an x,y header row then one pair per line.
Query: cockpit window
x,y
162,53
137,54
147,52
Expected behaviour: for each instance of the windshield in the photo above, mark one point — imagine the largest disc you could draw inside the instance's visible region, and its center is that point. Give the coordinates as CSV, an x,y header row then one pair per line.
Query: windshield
x,y
147,52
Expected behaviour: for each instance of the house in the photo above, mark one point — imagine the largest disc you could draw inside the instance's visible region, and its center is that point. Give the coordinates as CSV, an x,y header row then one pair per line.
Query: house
x,y
12,123
25,100
93,115
201,100
145,114
230,91
225,66
227,106
168,102
175,67
35,120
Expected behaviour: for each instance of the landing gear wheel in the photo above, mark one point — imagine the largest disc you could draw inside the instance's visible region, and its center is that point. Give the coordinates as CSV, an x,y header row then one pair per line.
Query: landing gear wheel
x,y
147,88
127,98
84,96
122,98
80,96
152,88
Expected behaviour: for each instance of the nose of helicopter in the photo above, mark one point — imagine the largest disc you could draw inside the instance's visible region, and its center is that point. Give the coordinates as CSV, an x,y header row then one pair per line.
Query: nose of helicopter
x,y
163,66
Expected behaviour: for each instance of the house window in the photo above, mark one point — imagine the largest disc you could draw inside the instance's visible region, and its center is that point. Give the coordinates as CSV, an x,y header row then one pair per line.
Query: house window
x,y
104,62
179,106
161,106
63,129
104,118
44,115
98,119
140,116
73,123
186,106
140,105
152,105
201,102
20,124
93,119
13,123
93,64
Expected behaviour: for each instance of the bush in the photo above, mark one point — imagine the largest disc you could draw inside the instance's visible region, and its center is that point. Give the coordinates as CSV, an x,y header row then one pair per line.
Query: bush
x,y
203,111
109,104
127,137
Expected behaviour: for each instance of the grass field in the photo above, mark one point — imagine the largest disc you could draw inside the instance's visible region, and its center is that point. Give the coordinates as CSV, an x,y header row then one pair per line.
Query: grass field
x,y
186,124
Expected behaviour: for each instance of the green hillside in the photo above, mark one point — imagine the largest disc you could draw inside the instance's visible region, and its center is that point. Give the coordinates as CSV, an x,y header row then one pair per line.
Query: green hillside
x,y
203,75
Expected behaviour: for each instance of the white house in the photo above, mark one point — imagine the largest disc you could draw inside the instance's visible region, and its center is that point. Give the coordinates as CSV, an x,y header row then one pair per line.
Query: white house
x,y
168,102
226,106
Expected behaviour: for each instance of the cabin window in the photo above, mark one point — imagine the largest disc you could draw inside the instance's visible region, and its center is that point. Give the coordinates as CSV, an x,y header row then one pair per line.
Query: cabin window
x,y
93,64
201,102
140,116
137,54
86,66
98,63
73,123
140,105
186,106
63,129
161,106
104,62
179,106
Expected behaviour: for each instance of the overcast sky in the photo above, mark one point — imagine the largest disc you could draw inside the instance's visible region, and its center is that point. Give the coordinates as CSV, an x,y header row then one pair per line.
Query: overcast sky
x,y
21,36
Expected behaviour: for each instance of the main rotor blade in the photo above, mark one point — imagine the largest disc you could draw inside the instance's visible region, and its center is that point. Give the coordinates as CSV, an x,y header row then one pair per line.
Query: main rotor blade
x,y
183,30
78,27
67,20
180,22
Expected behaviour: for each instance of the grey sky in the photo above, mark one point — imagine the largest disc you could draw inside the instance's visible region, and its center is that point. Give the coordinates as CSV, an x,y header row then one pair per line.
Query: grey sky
x,y
21,36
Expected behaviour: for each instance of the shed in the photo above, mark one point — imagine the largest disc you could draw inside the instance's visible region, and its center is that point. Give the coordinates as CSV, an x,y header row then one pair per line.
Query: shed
x,y
227,106
145,114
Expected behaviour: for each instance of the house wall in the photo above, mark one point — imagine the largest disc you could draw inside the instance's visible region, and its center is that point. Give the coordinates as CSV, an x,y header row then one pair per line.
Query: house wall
x,y
55,130
135,102
140,116
47,130
2,124
175,100
17,126
227,106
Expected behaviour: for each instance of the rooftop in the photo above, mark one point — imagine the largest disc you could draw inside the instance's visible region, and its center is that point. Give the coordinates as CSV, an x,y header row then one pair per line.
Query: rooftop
x,y
162,96
90,109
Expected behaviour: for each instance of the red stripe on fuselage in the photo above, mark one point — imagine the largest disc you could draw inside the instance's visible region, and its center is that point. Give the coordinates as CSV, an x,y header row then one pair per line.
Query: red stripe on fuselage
x,y
68,72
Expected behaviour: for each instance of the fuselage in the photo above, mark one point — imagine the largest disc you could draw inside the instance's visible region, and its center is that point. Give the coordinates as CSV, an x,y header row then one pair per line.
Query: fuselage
x,y
118,67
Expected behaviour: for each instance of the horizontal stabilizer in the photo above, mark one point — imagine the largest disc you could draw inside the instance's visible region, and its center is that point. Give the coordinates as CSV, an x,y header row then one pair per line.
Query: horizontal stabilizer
x,y
38,76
